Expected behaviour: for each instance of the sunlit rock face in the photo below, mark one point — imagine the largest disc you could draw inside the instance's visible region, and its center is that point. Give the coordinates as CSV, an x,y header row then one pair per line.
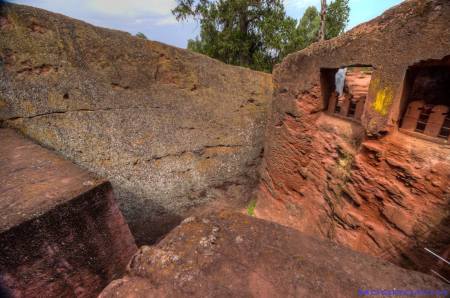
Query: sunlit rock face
x,y
169,128
225,254
375,179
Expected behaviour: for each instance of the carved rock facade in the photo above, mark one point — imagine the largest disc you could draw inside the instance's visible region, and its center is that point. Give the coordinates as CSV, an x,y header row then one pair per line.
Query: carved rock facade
x,y
379,185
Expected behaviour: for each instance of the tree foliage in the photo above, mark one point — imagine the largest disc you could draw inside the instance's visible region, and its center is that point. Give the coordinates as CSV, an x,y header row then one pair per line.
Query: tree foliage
x,y
255,33
141,35
309,25
252,33
338,13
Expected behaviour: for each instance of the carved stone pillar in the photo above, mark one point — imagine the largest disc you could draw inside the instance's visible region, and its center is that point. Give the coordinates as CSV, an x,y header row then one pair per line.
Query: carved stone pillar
x,y
436,120
345,105
412,115
332,102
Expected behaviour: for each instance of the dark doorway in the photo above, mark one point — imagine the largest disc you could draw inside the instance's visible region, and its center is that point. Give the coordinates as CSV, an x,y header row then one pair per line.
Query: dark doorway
x,y
427,100
345,90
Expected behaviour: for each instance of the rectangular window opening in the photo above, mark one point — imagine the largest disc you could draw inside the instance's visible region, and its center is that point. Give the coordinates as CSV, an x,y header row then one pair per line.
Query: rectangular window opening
x,y
345,90
426,100
423,119
445,130
352,109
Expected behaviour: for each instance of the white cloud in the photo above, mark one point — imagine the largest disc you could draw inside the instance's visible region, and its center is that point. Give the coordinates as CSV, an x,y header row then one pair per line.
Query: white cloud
x,y
156,21
132,8
151,17
169,20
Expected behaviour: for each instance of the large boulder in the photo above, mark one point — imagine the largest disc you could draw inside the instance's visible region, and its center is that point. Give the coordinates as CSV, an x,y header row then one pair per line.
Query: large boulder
x,y
169,128
226,254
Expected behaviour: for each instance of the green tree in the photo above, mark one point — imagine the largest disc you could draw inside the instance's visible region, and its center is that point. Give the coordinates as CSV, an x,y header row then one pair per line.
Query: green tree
x,y
337,16
309,26
256,33
141,35
252,33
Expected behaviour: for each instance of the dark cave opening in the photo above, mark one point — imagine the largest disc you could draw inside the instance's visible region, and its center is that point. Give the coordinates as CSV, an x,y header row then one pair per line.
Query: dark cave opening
x,y
426,100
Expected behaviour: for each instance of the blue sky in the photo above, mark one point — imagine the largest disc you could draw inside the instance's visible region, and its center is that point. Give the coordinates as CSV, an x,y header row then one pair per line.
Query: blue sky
x,y
154,19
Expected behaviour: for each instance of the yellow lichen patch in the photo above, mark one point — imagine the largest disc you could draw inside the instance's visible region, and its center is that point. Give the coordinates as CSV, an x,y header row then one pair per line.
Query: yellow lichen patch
x,y
383,101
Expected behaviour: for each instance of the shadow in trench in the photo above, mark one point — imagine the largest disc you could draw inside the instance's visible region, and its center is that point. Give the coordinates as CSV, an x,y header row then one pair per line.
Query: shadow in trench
x,y
416,256
148,221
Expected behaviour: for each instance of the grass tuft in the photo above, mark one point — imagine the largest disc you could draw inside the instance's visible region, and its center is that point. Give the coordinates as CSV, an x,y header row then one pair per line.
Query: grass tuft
x,y
251,207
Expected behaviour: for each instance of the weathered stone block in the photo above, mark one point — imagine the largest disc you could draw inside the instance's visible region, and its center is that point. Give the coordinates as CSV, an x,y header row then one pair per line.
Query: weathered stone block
x,y
61,232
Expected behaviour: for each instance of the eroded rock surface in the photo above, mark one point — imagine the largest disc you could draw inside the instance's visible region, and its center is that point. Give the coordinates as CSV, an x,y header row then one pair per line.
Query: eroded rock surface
x,y
61,232
364,184
169,128
227,254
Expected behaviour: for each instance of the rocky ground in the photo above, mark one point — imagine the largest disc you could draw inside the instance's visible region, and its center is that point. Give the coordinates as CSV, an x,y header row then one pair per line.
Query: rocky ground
x,y
225,254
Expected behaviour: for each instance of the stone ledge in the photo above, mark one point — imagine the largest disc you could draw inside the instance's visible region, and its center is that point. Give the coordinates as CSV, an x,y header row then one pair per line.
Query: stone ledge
x,y
35,180
61,232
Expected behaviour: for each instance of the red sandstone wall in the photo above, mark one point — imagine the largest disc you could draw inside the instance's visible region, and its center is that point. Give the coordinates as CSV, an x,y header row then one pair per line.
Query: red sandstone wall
x,y
366,185
75,250
383,197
